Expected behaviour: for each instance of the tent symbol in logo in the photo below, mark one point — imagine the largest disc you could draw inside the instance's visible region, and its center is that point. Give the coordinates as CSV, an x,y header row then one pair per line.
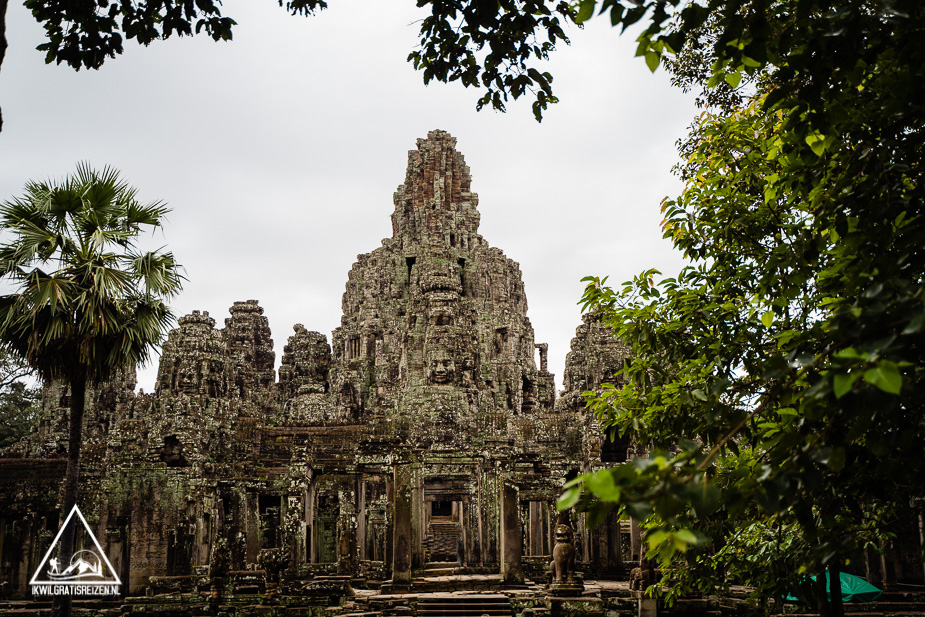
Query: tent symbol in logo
x,y
88,564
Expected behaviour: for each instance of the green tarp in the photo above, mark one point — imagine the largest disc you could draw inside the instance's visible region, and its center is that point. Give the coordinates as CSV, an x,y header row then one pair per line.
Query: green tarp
x,y
853,589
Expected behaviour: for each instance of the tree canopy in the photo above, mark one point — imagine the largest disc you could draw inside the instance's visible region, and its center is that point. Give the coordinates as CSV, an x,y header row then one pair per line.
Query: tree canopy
x,y
86,299
777,377
500,46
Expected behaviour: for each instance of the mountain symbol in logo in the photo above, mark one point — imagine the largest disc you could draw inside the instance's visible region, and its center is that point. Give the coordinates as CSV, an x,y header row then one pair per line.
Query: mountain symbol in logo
x,y
84,564
88,564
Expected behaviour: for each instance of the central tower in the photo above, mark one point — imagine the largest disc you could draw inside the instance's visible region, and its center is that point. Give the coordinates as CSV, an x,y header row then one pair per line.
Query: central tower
x,y
434,338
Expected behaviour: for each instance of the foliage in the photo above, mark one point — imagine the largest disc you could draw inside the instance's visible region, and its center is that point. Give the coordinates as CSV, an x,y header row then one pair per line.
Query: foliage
x,y
85,33
86,300
499,46
490,45
797,329
101,307
19,401
765,555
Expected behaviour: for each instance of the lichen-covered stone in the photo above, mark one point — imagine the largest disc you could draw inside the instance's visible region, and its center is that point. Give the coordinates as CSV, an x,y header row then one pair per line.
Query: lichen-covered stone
x,y
193,360
249,348
594,358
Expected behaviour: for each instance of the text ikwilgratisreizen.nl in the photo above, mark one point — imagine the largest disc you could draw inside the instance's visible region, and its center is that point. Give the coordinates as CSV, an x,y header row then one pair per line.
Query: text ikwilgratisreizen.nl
x,y
75,590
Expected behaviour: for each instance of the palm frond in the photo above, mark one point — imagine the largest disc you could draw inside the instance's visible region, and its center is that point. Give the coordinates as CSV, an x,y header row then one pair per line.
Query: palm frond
x,y
102,308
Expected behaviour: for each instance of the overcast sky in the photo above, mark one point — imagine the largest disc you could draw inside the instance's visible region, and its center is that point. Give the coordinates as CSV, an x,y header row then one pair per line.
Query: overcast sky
x,y
279,153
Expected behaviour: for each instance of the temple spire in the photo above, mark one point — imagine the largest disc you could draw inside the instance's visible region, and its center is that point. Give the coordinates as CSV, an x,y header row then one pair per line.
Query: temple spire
x,y
435,206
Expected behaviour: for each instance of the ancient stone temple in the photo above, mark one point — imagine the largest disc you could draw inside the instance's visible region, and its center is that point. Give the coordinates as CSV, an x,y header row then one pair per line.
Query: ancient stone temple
x,y
425,430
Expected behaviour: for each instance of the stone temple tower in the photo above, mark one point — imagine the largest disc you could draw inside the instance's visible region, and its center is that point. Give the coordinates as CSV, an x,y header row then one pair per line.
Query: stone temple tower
x,y
434,340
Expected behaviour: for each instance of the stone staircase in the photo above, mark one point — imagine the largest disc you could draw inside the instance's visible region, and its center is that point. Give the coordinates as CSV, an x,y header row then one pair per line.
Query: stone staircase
x,y
441,568
904,603
464,605
441,539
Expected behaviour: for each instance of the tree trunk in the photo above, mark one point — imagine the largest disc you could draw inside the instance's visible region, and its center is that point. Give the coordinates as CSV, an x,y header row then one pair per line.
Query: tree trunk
x,y
822,599
61,605
3,5
838,607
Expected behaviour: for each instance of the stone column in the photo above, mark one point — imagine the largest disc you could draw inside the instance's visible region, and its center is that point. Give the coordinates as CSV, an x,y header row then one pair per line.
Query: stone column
x,y
471,509
401,527
544,354
388,523
872,566
479,515
311,524
490,516
418,517
635,540
888,563
511,535
464,530
347,533
615,541
252,527
361,516
922,532
537,528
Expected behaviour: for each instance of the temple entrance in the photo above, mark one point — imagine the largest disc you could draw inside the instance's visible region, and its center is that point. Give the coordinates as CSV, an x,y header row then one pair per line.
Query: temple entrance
x,y
443,540
444,528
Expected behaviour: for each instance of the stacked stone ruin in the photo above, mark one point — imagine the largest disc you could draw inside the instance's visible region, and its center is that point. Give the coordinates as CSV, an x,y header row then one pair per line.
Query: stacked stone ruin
x,y
424,430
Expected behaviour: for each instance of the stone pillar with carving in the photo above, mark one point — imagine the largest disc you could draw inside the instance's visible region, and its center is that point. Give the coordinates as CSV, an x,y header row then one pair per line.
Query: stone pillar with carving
x,y
401,531
273,561
418,520
511,534
219,563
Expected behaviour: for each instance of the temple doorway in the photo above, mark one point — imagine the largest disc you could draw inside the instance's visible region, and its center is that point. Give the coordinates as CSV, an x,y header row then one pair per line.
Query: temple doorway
x,y
443,540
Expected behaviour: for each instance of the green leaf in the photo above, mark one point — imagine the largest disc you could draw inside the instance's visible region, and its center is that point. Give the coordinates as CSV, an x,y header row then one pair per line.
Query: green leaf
x,y
585,10
704,498
818,142
687,536
842,383
915,324
767,319
657,537
885,376
569,498
602,484
652,60
851,353
599,512
836,461
733,79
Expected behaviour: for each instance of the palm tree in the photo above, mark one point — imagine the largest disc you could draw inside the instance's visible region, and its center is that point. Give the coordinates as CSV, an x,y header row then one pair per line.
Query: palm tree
x,y
86,301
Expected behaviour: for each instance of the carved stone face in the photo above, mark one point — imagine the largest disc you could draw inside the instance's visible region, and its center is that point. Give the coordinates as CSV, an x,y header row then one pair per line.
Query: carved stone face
x,y
187,376
441,308
442,370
